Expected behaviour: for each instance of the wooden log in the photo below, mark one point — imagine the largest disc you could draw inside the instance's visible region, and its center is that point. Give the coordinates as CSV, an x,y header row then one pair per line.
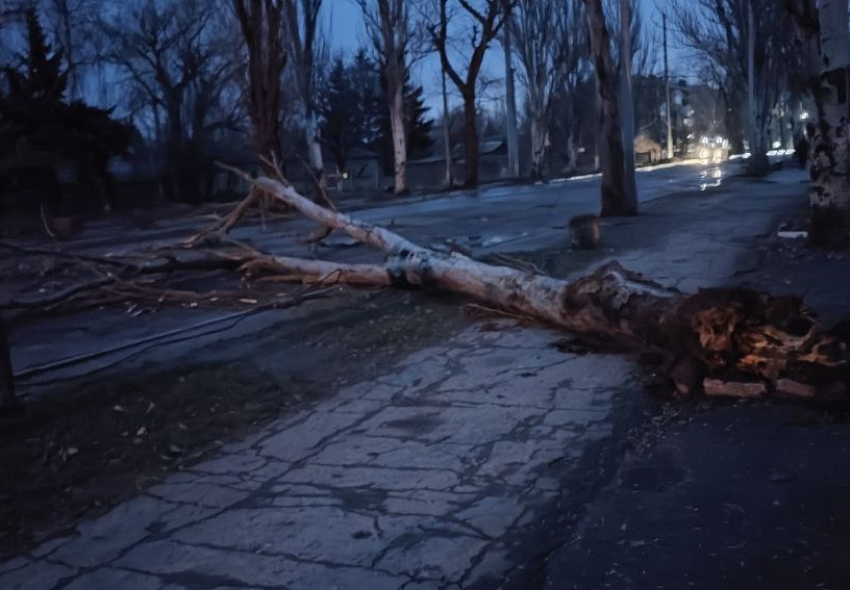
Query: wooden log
x,y
795,389
720,388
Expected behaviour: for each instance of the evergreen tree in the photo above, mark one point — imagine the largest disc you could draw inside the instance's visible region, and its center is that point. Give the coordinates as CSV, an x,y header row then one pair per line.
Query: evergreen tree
x,y
355,113
349,107
420,127
338,109
39,130
42,84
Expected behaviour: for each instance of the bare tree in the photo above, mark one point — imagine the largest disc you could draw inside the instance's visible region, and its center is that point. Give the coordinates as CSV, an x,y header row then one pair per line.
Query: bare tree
x,y
179,63
615,199
74,24
308,48
63,27
574,68
261,22
388,25
485,20
535,30
716,34
551,41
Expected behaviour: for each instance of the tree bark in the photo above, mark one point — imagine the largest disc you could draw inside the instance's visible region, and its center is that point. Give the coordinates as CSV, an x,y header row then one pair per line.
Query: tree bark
x,y
7,385
470,141
615,200
399,134
830,161
447,133
627,107
510,103
261,26
539,139
758,164
314,148
718,334
306,42
388,25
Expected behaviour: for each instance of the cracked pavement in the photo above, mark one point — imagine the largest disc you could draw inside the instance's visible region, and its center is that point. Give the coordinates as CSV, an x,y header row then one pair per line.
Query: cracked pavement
x,y
434,476
411,481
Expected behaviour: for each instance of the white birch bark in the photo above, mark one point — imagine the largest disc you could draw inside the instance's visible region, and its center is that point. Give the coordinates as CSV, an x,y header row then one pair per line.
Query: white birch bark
x,y
314,148
399,134
830,189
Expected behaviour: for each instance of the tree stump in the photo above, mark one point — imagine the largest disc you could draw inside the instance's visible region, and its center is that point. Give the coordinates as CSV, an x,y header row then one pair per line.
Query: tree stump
x,y
585,233
65,227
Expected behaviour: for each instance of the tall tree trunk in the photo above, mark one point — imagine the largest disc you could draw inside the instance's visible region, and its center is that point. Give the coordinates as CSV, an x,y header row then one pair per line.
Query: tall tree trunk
x,y
314,148
510,106
447,132
389,28
615,200
572,152
758,163
627,106
539,138
830,190
668,110
399,134
7,386
470,141
260,23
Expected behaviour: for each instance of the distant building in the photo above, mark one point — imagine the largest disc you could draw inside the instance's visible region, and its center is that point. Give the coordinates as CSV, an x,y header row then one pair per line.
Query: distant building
x,y
430,172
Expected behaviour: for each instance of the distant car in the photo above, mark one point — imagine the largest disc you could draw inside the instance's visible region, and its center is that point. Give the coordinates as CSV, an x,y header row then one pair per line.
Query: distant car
x,y
713,150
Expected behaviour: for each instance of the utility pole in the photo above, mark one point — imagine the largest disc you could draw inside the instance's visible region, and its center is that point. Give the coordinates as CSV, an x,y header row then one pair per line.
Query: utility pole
x,y
627,107
510,99
667,91
447,134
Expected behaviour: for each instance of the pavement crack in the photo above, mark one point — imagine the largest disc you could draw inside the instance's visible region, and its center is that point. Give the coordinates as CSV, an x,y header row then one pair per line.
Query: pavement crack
x,y
283,554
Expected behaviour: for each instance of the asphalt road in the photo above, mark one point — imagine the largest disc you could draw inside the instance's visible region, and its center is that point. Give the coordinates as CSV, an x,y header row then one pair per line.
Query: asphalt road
x,y
497,218
534,215
517,217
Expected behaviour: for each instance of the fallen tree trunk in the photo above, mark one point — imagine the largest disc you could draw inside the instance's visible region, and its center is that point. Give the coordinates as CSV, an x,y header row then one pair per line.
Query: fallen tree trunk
x,y
722,335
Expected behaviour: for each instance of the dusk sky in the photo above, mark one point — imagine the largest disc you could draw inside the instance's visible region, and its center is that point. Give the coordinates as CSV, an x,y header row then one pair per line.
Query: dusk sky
x,y
347,34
